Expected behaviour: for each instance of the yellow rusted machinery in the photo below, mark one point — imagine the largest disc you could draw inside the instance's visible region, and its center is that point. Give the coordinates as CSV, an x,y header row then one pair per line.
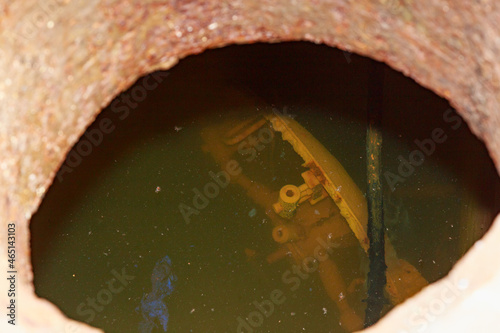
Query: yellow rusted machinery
x,y
312,218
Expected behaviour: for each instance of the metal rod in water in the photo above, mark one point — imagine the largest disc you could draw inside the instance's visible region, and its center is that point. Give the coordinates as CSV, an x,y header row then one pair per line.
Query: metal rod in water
x,y
376,275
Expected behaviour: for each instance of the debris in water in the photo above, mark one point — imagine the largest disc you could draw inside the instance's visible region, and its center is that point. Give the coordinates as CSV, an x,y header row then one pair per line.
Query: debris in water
x,y
252,213
153,306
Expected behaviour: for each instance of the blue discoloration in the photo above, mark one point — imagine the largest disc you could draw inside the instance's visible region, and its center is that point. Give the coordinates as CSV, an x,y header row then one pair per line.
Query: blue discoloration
x,y
153,306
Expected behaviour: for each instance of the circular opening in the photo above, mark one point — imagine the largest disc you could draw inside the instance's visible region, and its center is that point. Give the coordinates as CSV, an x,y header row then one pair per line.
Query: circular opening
x,y
149,208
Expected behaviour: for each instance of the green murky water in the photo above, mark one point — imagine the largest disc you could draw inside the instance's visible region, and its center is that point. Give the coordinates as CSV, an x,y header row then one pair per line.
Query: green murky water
x,y
113,215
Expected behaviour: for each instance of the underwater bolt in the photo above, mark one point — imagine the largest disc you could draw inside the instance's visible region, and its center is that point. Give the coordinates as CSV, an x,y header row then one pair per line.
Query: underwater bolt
x,y
288,200
286,233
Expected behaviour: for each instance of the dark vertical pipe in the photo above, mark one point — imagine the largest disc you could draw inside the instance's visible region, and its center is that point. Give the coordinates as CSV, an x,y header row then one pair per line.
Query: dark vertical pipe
x,y
376,275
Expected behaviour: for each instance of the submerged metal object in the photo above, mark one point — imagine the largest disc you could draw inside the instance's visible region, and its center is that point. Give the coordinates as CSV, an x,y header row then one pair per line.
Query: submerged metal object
x,y
330,173
311,219
404,280
308,222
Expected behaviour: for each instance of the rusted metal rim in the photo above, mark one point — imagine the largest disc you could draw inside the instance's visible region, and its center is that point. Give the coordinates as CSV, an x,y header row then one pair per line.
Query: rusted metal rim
x,y
64,61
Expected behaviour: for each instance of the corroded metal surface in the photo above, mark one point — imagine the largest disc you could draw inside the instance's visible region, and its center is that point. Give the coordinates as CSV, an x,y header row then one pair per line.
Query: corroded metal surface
x,y
61,61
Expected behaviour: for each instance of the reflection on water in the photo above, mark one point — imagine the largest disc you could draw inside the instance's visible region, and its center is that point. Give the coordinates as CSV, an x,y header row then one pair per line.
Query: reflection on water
x,y
120,208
